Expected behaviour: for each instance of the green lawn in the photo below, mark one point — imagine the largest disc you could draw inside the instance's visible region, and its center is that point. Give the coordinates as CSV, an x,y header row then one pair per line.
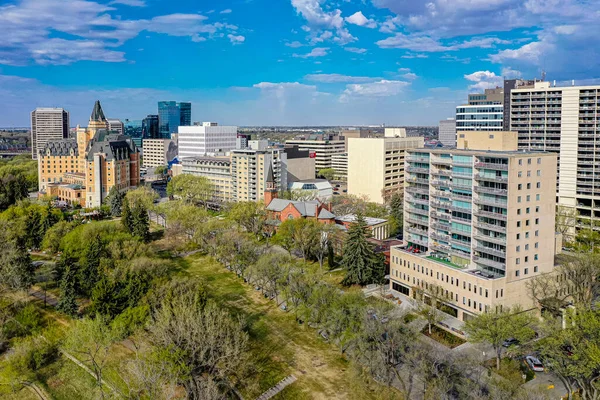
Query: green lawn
x,y
451,264
280,346
64,380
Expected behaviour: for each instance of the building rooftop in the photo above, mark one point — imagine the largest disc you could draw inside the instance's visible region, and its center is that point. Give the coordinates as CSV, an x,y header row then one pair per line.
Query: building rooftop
x,y
199,159
62,147
490,153
350,218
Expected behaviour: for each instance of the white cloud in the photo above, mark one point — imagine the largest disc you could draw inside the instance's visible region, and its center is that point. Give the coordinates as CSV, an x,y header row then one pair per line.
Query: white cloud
x,y
338,78
419,42
319,20
226,11
410,76
382,88
509,73
356,50
414,55
359,19
295,44
316,52
236,39
484,80
130,3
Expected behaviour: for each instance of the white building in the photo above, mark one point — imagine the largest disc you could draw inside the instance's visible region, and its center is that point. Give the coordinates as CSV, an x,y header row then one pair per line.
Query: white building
x,y
115,125
447,134
209,138
339,163
317,188
48,124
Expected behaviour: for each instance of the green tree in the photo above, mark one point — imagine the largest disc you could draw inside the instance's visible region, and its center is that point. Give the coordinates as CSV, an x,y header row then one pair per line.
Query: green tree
x,y
397,213
302,234
140,222
429,303
115,202
269,272
327,173
361,263
127,216
89,270
588,240
16,270
55,234
495,326
192,189
250,215
13,187
67,302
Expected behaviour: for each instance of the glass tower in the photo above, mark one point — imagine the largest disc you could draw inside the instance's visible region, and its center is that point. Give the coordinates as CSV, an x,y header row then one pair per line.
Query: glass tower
x,y
150,127
172,115
185,113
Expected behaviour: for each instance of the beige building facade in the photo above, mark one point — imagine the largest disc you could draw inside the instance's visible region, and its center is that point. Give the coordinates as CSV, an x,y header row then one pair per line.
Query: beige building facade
x,y
249,170
376,166
158,152
217,169
478,226
323,149
486,140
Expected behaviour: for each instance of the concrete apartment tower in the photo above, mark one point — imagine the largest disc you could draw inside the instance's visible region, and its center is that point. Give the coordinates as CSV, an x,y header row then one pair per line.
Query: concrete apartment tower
x,y
478,224
47,125
447,132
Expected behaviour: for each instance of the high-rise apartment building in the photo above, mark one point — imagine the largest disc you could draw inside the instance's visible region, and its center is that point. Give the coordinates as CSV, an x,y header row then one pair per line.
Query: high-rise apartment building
x,y
509,86
196,141
217,169
115,125
565,121
47,124
158,152
249,169
324,148
172,115
447,132
376,166
484,112
478,225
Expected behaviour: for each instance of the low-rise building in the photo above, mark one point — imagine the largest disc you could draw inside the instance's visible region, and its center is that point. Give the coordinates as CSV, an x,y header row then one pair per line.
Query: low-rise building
x,y
316,188
158,152
379,227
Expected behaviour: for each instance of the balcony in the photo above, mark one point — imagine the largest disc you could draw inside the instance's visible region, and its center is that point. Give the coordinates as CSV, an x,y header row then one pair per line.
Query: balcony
x,y
457,174
440,247
494,166
488,214
490,202
442,172
489,263
491,239
412,179
416,200
422,242
419,211
441,204
417,189
490,190
491,178
441,161
462,220
440,216
491,227
417,231
411,220
459,185
441,227
461,197
489,250
418,170
440,236
440,183
412,158
459,253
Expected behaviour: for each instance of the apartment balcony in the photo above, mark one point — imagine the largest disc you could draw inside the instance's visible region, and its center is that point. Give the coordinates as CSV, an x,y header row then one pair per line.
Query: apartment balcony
x,y
460,185
491,227
440,247
488,214
412,179
422,242
416,200
489,263
440,183
440,236
416,189
489,190
491,239
420,170
441,227
412,220
441,161
491,202
442,172
441,204
462,163
462,220
490,178
467,175
440,216
417,231
412,158
458,252
419,211
494,166
461,197
488,250
466,209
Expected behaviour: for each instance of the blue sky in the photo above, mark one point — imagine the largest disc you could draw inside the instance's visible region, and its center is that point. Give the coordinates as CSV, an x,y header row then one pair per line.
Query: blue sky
x,y
284,62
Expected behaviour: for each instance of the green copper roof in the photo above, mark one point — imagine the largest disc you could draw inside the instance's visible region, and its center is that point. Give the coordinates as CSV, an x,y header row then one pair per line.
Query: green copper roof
x,y
98,114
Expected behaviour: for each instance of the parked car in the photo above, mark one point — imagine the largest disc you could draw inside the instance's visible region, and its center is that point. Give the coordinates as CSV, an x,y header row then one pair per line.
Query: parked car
x,y
534,364
510,342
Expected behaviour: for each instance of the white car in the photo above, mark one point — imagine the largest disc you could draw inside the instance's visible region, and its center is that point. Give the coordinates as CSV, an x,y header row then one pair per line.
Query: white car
x,y
535,364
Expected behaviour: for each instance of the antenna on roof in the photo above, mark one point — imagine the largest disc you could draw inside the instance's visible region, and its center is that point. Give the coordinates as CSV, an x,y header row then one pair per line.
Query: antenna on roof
x,y
543,76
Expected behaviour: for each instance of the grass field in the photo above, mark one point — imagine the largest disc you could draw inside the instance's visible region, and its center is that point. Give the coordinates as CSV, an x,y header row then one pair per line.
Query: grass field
x,y
280,346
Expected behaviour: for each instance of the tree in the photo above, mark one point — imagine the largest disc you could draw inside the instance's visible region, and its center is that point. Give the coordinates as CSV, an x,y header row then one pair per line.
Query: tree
x,y
126,216
143,195
301,234
327,173
13,187
140,222
115,201
361,263
67,303
325,237
566,220
250,215
495,326
192,189
588,240
345,318
397,213
429,304
90,340
16,270
270,271
54,235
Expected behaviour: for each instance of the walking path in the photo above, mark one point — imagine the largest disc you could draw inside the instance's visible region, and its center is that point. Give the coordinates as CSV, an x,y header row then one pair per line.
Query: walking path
x,y
277,388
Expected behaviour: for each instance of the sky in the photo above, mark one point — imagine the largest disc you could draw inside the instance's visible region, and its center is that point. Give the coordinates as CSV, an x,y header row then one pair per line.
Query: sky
x,y
284,62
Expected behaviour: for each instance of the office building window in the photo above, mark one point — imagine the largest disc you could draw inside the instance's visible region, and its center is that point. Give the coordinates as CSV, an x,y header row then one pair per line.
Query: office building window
x,y
518,236
535,269
528,186
518,199
518,261
526,271
538,185
519,186
518,249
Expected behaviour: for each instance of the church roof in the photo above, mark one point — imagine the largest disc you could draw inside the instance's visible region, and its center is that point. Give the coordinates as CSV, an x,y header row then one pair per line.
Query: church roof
x,y
270,177
97,113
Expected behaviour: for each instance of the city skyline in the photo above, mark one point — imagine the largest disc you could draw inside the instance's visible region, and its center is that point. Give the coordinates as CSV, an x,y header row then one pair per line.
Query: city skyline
x,y
304,62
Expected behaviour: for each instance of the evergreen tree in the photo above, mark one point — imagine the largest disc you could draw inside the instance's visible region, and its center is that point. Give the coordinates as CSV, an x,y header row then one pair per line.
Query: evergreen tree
x,y
140,223
104,297
115,202
126,216
397,212
67,303
360,261
90,264
330,257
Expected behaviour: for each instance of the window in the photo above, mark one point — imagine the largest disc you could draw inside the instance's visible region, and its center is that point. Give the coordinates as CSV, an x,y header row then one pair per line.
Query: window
x,y
520,162
539,160
526,222
537,209
535,269
537,245
535,257
518,224
501,293
526,259
518,199
527,210
520,174
518,261
526,247
529,161
528,186
518,211
518,249
528,173
526,271
537,197
526,235
537,221
528,198
537,233
486,293
519,186
517,273
518,236
464,300
539,173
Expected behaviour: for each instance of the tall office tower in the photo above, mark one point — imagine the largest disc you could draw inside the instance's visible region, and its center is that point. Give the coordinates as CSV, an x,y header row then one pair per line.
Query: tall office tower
x,y
209,138
249,170
376,166
150,127
323,148
447,132
133,129
116,125
478,224
484,112
564,120
169,117
47,124
185,114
